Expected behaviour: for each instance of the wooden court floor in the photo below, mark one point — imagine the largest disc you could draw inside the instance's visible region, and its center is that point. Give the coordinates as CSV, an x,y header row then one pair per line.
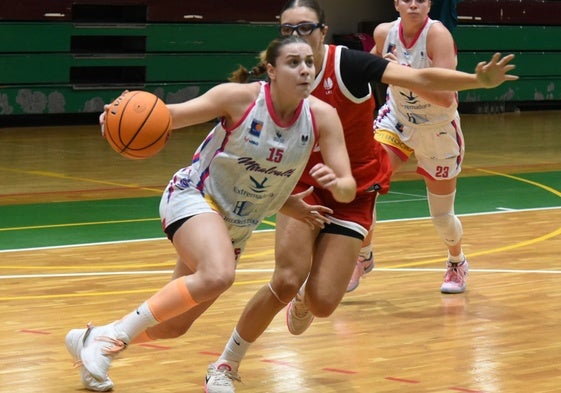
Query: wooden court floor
x,y
395,333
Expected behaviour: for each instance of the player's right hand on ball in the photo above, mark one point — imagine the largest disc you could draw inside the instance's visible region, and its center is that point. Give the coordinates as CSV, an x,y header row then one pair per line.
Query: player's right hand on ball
x,y
102,120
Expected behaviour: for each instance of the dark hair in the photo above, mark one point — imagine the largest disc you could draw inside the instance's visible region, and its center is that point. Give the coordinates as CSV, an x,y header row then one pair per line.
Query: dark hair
x,y
268,56
311,4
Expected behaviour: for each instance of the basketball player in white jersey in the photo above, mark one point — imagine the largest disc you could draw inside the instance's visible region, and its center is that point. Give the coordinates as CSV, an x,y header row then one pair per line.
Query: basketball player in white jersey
x,y
424,122
243,171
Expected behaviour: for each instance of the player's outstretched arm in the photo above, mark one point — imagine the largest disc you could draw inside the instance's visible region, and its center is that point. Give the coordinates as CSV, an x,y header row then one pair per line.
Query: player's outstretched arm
x,y
487,75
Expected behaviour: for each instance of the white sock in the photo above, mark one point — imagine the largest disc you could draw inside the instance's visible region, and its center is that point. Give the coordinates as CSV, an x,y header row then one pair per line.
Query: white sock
x,y
235,350
137,321
365,251
457,258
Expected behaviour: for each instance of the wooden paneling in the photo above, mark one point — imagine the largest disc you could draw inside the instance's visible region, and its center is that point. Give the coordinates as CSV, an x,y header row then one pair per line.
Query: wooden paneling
x,y
142,10
509,12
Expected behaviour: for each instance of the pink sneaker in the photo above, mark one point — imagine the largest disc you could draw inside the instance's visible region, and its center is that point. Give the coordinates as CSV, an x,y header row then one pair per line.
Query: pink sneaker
x,y
362,267
455,278
298,317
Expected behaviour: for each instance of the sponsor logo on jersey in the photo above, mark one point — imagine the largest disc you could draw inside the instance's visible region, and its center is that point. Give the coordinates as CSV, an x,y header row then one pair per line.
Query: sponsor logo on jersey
x,y
410,98
256,195
242,208
253,166
256,127
254,131
258,187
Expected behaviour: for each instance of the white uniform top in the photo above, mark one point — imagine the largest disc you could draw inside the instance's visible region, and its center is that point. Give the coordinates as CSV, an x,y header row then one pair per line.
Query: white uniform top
x,y
407,123
408,108
246,172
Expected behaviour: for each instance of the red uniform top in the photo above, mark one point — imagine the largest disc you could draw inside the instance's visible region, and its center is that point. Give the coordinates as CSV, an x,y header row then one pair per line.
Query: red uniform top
x,y
370,163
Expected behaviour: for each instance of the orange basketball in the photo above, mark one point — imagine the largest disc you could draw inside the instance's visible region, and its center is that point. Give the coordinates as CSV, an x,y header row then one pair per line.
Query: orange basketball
x,y
137,124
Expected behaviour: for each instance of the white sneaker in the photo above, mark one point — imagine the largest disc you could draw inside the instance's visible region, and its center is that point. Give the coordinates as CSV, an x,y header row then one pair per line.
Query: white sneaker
x,y
74,343
90,383
455,278
298,317
101,345
220,378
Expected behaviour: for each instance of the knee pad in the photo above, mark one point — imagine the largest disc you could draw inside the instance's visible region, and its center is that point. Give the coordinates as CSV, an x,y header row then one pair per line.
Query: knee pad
x,y
444,220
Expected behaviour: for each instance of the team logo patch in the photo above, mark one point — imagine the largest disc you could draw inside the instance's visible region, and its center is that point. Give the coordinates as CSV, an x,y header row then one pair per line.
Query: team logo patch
x,y
411,98
258,186
278,137
243,208
328,84
256,127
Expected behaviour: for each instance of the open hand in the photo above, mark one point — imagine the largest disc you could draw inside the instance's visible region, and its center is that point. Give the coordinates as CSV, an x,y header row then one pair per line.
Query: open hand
x,y
313,215
494,72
